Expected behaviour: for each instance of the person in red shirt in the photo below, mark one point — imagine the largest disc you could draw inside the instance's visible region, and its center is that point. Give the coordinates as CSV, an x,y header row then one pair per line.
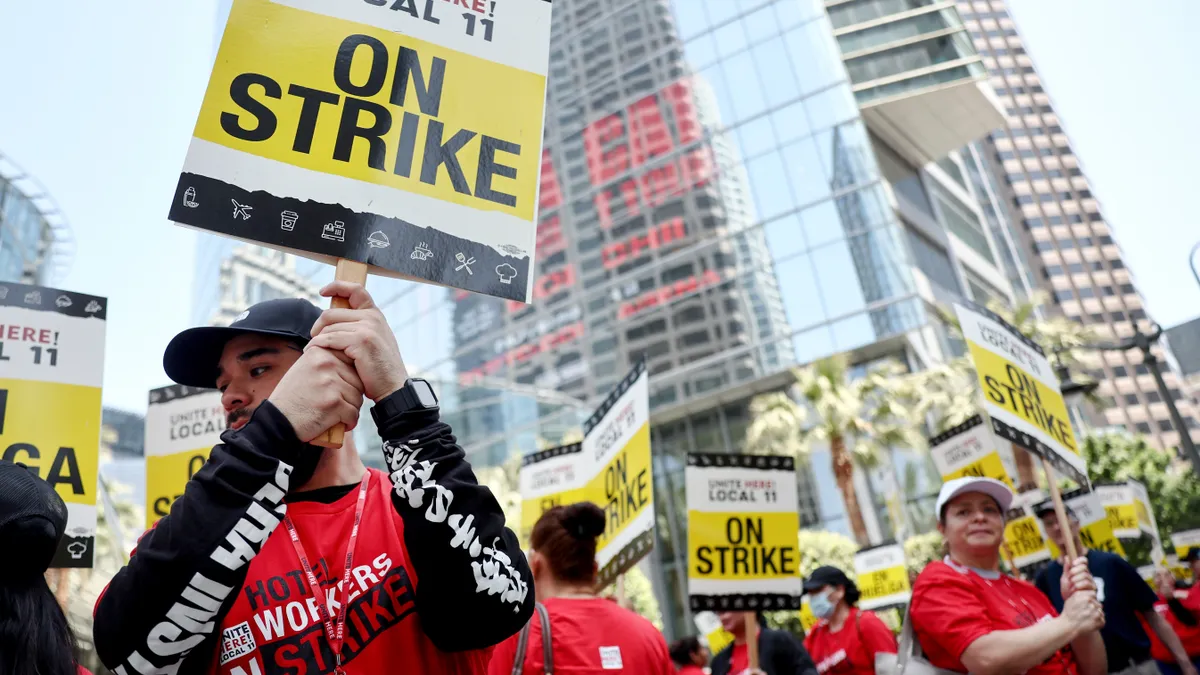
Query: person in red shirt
x,y
690,655
1180,611
970,617
284,557
589,635
35,638
846,640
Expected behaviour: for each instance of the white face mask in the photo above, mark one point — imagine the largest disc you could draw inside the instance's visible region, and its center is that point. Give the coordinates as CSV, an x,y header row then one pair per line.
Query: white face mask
x,y
822,607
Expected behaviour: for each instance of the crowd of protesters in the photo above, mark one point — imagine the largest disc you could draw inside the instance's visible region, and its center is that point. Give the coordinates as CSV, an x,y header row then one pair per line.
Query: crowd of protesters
x,y
270,505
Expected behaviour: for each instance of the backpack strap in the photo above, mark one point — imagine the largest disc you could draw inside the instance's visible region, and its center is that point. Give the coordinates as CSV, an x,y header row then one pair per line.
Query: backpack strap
x,y
523,643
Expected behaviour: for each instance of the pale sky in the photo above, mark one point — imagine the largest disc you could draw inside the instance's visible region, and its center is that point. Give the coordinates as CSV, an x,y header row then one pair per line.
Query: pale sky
x,y
98,100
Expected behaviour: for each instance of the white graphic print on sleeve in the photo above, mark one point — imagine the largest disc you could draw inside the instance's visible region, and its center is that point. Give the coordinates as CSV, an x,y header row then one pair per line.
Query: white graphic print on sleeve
x,y
412,480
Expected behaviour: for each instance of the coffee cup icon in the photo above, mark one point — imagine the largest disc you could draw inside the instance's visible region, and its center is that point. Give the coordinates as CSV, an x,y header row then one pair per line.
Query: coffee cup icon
x,y
287,220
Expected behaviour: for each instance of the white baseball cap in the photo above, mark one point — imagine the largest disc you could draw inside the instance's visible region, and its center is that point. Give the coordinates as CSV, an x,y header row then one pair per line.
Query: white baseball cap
x,y
988,486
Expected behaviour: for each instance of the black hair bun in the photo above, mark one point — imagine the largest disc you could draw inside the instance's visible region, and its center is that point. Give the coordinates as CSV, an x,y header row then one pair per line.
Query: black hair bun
x,y
583,520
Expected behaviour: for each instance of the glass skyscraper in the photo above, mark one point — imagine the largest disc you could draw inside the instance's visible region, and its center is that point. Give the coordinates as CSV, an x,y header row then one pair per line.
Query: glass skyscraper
x,y
36,246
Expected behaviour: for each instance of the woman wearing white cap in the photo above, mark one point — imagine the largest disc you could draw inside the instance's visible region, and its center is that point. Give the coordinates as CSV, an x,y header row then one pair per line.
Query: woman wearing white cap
x,y
970,617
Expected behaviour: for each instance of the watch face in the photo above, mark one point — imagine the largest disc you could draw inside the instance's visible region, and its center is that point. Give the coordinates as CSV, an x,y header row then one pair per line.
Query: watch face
x,y
424,392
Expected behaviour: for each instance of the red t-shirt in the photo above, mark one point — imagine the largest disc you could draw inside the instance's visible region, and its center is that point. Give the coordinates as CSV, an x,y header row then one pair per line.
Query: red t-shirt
x,y
851,649
1188,635
273,626
953,607
589,636
739,659
691,669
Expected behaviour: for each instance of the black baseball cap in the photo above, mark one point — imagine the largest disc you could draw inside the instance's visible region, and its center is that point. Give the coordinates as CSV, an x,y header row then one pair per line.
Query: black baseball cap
x,y
1047,509
826,575
192,356
32,520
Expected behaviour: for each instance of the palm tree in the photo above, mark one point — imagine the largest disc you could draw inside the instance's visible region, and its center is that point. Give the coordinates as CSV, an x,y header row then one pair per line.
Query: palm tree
x,y
952,389
858,418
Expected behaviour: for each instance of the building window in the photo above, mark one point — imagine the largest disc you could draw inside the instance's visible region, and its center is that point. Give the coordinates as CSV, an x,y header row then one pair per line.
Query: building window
x,y
1131,399
1063,294
1023,200
1084,194
1075,268
1105,239
1052,271
1043,246
1097,266
1118,317
1120,371
1117,264
1095,217
1055,220
1164,425
1085,241
1143,428
1128,288
1031,223
1005,154
1153,397
1141,369
1096,318
1087,292
1065,244
1107,291
1075,218
1175,395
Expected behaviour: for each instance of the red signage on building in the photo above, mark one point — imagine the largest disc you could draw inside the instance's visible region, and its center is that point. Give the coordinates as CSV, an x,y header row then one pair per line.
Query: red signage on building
x,y
616,254
664,294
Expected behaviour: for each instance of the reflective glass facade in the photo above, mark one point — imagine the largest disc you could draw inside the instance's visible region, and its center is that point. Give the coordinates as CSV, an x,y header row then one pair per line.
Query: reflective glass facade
x,y
28,230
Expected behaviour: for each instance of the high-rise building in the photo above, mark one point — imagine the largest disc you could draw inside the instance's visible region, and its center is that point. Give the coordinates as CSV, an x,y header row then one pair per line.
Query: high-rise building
x,y
729,191
35,240
1061,233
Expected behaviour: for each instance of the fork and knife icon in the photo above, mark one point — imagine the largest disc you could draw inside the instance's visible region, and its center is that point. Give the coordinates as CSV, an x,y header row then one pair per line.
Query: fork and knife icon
x,y
465,263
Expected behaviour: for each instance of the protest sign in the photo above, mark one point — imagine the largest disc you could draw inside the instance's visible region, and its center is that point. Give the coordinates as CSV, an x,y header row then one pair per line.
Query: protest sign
x,y
51,372
1183,542
1094,528
882,576
968,450
1020,391
405,136
1023,534
1128,507
610,468
743,533
709,626
182,426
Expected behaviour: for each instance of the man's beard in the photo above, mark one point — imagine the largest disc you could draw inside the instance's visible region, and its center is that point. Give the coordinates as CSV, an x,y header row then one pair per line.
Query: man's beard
x,y
304,463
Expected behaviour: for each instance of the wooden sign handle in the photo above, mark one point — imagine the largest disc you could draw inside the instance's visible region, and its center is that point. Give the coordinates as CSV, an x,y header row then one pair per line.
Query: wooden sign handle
x,y
752,640
1061,512
356,273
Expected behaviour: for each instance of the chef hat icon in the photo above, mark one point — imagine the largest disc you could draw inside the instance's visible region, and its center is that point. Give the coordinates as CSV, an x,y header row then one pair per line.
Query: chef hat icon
x,y
506,272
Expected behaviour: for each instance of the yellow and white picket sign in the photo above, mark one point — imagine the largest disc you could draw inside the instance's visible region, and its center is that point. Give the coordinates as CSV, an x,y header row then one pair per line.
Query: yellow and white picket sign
x,y
882,576
1129,511
403,135
51,373
743,533
1020,391
1182,542
610,468
968,449
182,426
1024,536
1147,572
1094,527
710,628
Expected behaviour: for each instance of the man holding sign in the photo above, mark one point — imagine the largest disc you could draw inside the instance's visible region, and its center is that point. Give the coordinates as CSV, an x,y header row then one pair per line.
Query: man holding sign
x,y
1124,595
218,586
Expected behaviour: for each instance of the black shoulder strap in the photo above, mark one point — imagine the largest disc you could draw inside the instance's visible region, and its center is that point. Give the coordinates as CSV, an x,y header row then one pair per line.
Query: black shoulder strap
x,y
523,643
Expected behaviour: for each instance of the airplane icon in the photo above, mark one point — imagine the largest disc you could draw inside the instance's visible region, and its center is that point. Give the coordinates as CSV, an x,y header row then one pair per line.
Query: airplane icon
x,y
241,210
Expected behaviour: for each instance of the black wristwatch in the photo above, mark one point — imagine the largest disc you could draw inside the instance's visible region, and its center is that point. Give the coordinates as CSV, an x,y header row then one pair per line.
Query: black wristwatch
x,y
416,394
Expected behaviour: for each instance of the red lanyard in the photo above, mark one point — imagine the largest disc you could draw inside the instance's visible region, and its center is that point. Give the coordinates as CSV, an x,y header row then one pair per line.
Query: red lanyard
x,y
336,636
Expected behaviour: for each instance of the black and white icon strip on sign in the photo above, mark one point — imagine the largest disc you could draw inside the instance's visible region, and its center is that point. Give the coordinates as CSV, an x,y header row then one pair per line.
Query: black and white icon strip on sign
x,y
705,460
331,231
559,451
744,602
611,400
67,303
970,423
634,551
1032,444
173,392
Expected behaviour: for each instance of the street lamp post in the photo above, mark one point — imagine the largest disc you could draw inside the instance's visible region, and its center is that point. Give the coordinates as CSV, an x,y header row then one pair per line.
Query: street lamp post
x,y
1144,342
